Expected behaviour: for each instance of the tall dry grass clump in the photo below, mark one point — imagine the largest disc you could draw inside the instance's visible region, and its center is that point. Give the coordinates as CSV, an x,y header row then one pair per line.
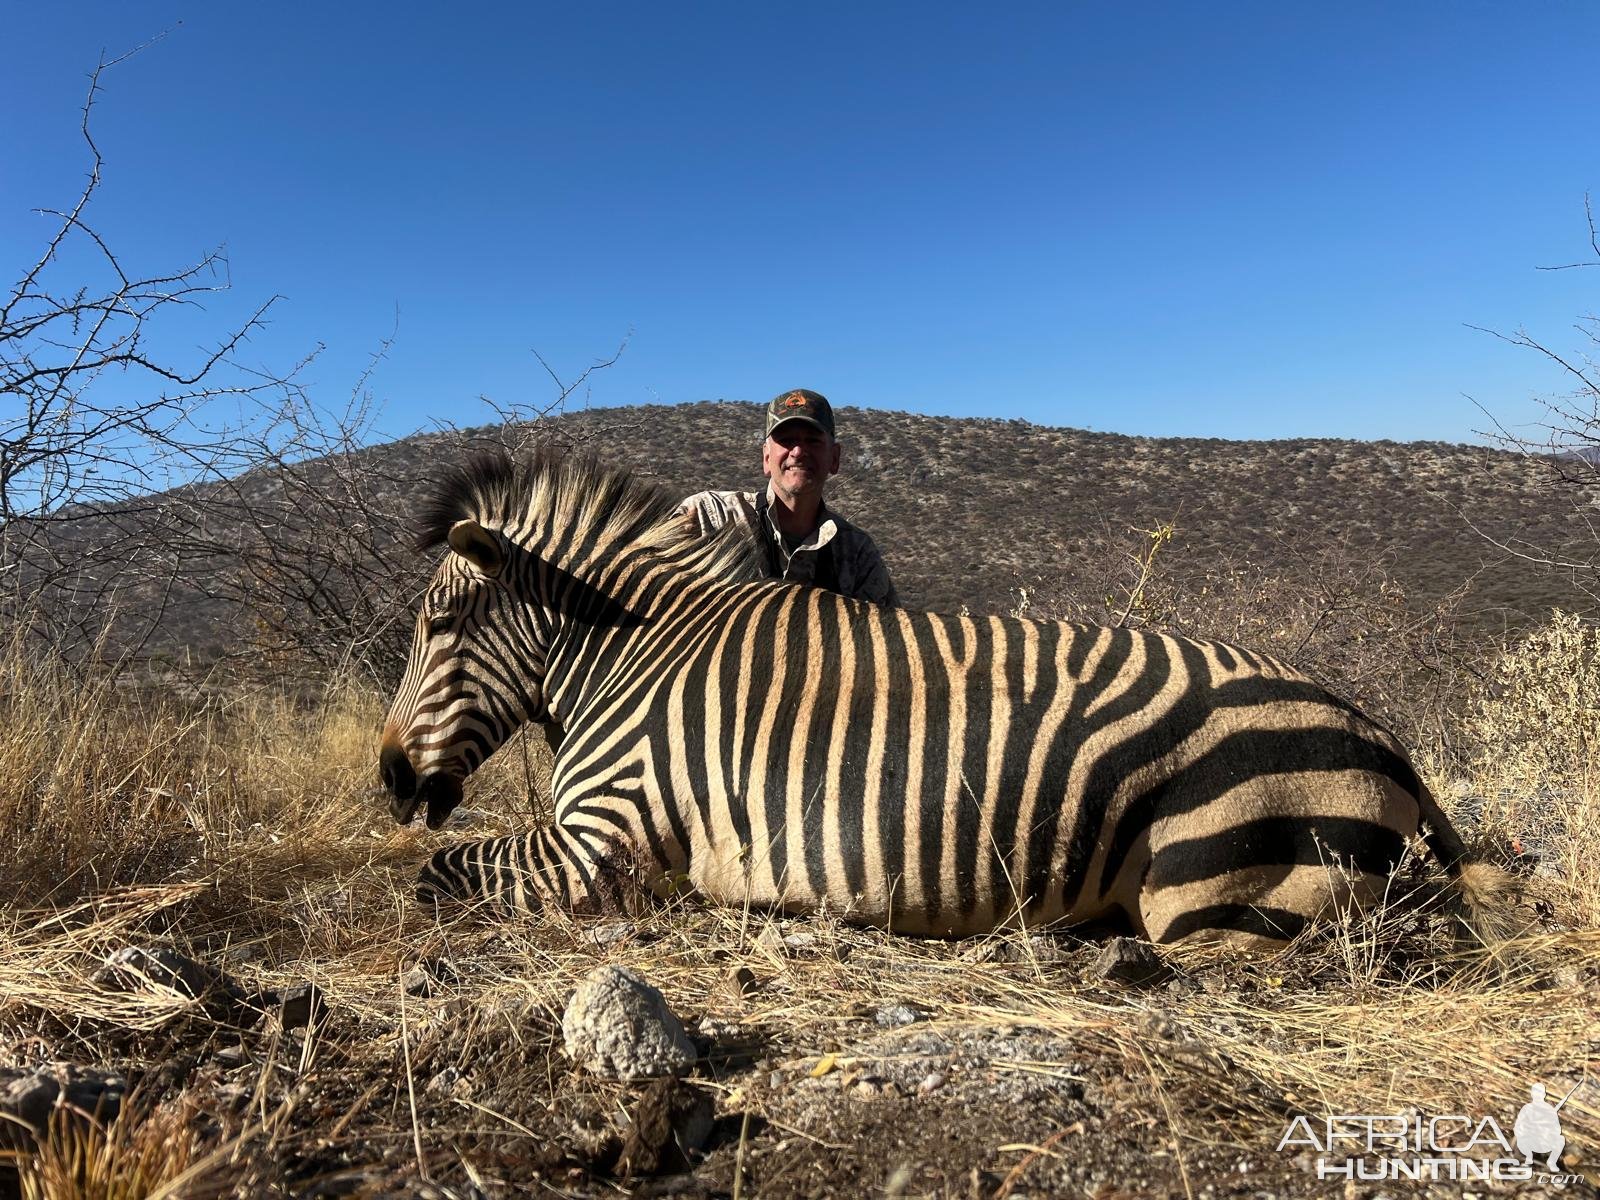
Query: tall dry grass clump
x,y
141,1155
106,783
86,775
1538,719
1534,733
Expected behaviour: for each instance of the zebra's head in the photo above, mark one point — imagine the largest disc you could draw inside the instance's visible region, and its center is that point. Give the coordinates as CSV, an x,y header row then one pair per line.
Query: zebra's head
x,y
475,674
536,547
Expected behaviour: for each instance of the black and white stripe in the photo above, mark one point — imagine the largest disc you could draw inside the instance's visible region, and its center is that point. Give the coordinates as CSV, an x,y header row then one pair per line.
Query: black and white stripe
x,y
784,746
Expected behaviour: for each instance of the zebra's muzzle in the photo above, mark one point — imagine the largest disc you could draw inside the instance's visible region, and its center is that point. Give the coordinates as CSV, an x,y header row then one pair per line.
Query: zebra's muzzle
x,y
442,794
402,810
399,779
439,792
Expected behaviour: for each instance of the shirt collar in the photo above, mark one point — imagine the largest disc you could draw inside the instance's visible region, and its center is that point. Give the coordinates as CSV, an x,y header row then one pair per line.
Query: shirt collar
x,y
824,533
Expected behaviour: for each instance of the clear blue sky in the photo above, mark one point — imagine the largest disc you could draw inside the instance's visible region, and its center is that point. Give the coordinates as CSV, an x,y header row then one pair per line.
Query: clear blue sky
x,y
1234,220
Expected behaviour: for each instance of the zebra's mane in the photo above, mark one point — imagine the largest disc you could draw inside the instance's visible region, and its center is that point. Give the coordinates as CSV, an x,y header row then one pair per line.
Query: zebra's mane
x,y
589,502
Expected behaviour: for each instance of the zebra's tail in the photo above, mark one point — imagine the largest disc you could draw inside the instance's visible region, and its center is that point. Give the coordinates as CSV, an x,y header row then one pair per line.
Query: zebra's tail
x,y
1482,896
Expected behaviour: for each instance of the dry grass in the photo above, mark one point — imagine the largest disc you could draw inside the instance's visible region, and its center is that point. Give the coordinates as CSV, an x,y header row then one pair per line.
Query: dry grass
x,y
1535,737
142,1155
247,832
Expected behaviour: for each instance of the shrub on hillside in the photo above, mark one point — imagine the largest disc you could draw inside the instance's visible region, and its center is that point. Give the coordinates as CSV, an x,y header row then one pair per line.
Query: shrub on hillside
x,y
1537,720
1334,612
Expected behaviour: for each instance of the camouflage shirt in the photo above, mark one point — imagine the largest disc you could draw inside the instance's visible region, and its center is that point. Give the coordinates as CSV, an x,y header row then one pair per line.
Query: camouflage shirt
x,y
837,555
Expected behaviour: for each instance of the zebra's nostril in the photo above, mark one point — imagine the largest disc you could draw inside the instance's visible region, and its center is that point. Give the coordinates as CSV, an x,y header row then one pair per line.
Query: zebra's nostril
x,y
398,776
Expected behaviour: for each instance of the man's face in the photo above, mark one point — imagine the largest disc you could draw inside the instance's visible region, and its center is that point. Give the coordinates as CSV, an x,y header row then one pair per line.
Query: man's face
x,y
798,458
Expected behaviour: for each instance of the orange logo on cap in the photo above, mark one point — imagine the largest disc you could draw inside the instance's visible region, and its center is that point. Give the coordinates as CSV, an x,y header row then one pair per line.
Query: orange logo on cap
x,y
795,400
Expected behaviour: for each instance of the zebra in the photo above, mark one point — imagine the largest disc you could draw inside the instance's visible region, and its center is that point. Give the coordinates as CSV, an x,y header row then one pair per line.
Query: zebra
x,y
784,747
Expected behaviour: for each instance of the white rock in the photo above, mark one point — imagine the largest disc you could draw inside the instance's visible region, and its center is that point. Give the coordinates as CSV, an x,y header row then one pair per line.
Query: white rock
x,y
610,933
892,1015
619,1026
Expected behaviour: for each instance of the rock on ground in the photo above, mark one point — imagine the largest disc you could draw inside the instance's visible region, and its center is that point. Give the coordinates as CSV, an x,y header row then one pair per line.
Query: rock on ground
x,y
139,968
618,1026
1132,962
27,1098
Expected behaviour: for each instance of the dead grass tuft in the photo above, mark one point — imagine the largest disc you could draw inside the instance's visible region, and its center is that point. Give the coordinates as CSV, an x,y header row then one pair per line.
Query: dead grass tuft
x,y
142,1155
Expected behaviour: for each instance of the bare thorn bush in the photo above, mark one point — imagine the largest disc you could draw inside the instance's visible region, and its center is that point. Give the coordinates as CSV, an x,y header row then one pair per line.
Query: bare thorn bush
x,y
1565,441
1336,613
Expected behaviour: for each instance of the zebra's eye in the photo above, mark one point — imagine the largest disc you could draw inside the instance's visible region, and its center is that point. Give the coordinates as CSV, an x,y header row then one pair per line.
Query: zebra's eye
x,y
439,626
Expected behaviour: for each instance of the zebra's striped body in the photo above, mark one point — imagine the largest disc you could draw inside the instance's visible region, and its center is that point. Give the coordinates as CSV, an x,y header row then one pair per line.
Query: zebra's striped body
x,y
786,747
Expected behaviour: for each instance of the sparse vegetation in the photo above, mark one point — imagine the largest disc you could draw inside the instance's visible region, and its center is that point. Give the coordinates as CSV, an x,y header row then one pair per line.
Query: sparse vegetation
x,y
304,564
241,826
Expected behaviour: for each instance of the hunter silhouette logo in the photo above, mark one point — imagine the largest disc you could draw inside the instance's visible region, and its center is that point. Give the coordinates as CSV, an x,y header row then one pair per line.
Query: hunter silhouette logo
x,y
1538,1127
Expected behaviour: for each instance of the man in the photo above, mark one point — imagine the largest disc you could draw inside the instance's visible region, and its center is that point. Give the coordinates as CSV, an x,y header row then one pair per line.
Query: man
x,y
804,540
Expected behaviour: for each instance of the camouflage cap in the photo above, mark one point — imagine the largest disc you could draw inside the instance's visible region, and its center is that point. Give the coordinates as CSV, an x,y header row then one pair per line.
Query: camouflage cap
x,y
800,405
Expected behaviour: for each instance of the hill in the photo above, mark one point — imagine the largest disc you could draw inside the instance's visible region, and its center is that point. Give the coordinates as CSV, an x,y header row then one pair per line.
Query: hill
x,y
970,513
968,510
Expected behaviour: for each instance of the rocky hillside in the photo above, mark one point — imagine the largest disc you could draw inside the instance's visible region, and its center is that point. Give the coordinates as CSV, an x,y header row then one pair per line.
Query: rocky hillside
x,y
969,512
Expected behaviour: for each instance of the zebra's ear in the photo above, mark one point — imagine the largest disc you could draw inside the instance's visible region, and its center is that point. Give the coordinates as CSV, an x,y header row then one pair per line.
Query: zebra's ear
x,y
478,546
